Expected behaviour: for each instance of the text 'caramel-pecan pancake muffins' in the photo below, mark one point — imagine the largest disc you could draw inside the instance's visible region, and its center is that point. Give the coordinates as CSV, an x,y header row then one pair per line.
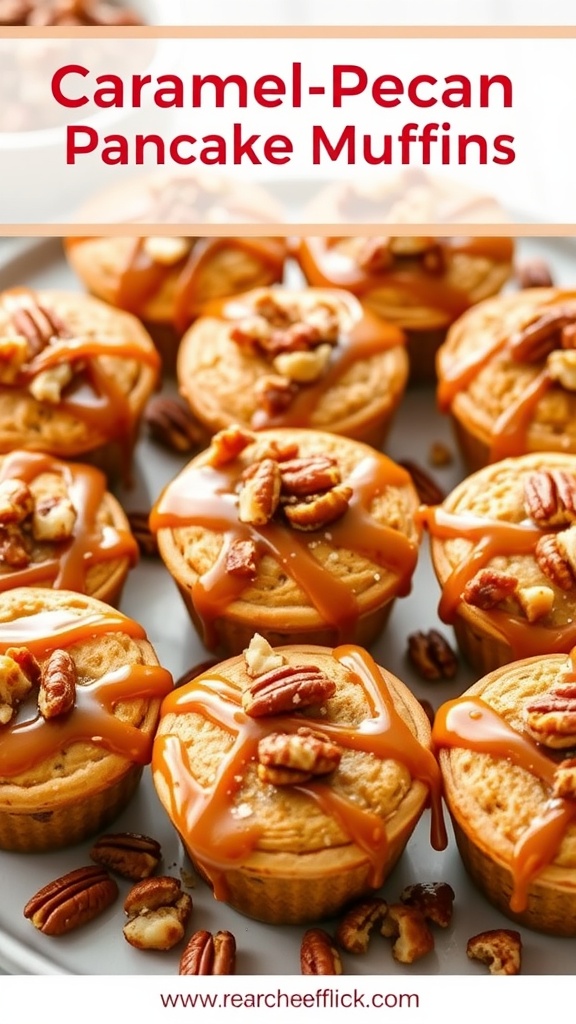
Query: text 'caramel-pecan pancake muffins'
x,y
60,527
80,695
281,357
507,376
420,284
75,376
298,534
506,750
295,777
503,546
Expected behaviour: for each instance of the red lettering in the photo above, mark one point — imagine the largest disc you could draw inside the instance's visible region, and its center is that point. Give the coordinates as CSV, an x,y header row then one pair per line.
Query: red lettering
x,y
57,81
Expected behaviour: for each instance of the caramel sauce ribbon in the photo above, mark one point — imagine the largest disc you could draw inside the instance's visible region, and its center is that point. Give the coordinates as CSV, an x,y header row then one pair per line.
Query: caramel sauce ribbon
x,y
90,542
205,496
209,817
470,723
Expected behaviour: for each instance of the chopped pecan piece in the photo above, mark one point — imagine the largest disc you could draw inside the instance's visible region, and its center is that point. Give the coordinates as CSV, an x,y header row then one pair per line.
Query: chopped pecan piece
x,y
14,548
319,954
427,489
172,424
303,367
354,930
536,602
129,854
158,912
274,393
289,758
27,662
288,688
227,445
556,556
309,475
15,685
71,901
260,657
565,779
488,588
241,559
260,493
551,718
561,367
550,497
53,519
534,273
500,948
431,655
433,899
140,529
407,925
16,502
57,693
209,954
319,510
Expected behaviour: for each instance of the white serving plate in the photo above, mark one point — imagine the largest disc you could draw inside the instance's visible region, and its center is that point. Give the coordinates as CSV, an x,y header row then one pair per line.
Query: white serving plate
x,y
151,598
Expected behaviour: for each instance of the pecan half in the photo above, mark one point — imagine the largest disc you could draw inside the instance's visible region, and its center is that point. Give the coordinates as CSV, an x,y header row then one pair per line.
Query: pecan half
x,y
534,273
538,339
129,854
432,656
550,497
309,475
140,529
551,718
37,324
556,556
433,899
288,688
407,926
172,424
289,758
500,948
426,487
319,954
57,693
260,493
354,930
319,510
209,954
158,912
71,900
488,588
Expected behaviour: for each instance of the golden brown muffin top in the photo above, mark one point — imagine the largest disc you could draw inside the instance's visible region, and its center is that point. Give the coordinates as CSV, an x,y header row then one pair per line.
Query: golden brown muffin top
x,y
71,371
504,549
506,749
290,750
508,368
279,357
296,522
78,682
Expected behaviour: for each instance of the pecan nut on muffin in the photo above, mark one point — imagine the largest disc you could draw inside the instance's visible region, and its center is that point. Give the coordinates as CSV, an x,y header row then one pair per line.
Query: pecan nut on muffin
x,y
298,534
295,777
80,695
503,546
282,357
506,751
507,375
421,284
60,527
75,376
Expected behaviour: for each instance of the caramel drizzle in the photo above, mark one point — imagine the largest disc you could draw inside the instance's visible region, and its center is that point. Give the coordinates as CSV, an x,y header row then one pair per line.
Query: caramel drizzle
x,y
206,815
326,267
205,496
368,336
470,723
491,538
142,278
29,739
90,543
509,432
